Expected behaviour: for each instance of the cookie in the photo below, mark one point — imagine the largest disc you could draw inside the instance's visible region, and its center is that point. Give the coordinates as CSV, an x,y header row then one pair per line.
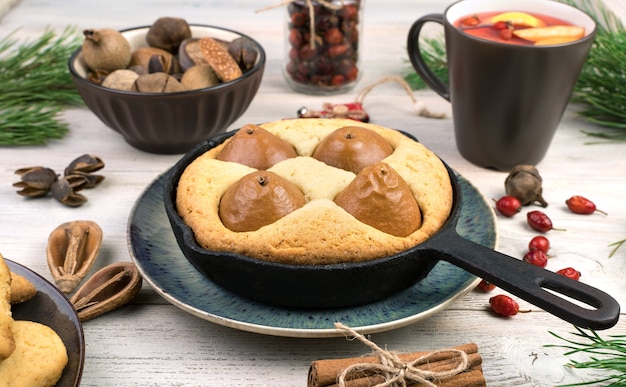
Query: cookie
x,y
7,342
21,289
39,357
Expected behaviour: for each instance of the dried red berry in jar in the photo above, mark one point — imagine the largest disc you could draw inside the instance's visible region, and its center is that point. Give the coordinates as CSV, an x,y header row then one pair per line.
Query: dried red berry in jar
x,y
508,205
333,36
298,19
295,38
504,305
536,257
539,221
330,32
581,205
540,243
570,272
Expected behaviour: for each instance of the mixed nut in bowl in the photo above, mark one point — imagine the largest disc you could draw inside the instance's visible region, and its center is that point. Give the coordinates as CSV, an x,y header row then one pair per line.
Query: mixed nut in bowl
x,y
167,100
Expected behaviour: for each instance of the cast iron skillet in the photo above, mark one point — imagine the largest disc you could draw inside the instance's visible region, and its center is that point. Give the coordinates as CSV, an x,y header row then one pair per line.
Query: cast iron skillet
x,y
342,285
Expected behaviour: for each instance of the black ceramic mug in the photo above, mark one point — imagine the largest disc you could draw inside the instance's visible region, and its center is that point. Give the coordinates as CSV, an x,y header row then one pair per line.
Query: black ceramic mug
x,y
507,99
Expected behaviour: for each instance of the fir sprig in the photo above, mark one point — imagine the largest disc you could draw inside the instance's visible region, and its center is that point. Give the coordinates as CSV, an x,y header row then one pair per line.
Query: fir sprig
x,y
604,354
434,54
35,86
616,246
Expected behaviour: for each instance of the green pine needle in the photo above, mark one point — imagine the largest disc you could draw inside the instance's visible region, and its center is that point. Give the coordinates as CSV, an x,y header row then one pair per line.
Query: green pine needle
x,y
601,87
35,87
616,246
604,354
434,54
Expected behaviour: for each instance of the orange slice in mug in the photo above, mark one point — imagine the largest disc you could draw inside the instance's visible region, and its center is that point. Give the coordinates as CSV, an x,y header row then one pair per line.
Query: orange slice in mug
x,y
565,33
518,19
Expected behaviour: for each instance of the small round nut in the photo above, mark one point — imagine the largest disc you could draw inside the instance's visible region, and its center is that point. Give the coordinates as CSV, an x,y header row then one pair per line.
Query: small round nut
x,y
199,77
120,80
157,83
167,33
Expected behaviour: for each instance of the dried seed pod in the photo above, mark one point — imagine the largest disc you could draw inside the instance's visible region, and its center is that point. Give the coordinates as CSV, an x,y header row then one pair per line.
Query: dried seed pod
x,y
35,181
71,252
524,183
65,190
244,52
108,289
85,163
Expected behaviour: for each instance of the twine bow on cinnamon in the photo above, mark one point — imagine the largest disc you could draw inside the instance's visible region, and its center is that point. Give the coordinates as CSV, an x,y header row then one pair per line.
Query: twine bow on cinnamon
x,y
397,372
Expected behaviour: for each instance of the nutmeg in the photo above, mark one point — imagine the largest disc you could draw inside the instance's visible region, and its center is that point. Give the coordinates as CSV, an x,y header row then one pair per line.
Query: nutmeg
x,y
379,196
352,148
258,199
256,147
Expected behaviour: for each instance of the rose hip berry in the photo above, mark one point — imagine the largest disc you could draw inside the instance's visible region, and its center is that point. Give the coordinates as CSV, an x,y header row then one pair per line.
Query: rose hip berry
x,y
539,221
536,257
570,272
486,286
540,243
506,34
508,206
504,305
581,205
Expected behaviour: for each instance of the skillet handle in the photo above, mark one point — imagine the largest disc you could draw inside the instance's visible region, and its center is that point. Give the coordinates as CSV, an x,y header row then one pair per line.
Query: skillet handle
x,y
528,281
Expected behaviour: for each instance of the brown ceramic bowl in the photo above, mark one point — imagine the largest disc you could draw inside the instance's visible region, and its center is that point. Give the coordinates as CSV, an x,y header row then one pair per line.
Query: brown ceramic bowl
x,y
170,123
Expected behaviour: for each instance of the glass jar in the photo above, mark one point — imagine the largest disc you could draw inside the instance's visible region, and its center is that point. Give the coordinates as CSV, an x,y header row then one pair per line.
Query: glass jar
x,y
322,46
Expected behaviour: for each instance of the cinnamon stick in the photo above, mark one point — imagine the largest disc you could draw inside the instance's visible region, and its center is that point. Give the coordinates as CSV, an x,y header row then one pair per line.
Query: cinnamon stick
x,y
472,377
323,373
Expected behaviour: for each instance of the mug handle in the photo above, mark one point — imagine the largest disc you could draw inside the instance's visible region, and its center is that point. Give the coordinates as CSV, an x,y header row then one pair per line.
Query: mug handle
x,y
415,55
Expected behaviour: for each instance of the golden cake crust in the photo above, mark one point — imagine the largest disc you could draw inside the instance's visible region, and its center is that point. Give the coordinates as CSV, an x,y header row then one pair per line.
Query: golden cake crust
x,y
320,232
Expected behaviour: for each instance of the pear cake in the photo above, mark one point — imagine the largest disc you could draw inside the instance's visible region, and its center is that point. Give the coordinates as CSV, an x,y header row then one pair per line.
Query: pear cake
x,y
315,191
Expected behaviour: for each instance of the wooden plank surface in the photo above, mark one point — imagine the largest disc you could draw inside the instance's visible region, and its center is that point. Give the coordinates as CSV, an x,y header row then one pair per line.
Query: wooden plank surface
x,y
152,343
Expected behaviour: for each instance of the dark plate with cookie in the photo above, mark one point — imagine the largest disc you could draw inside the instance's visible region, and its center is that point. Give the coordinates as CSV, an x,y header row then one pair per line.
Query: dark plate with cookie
x,y
50,307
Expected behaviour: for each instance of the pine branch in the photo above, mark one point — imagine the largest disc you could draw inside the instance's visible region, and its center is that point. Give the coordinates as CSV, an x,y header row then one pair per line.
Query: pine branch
x,y
607,355
35,87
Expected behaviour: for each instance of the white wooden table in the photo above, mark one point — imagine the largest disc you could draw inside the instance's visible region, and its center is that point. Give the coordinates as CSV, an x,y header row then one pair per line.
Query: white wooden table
x,y
152,343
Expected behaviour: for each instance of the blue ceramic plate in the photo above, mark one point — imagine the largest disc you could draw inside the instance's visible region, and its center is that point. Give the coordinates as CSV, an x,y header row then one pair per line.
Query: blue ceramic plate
x,y
50,307
154,250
